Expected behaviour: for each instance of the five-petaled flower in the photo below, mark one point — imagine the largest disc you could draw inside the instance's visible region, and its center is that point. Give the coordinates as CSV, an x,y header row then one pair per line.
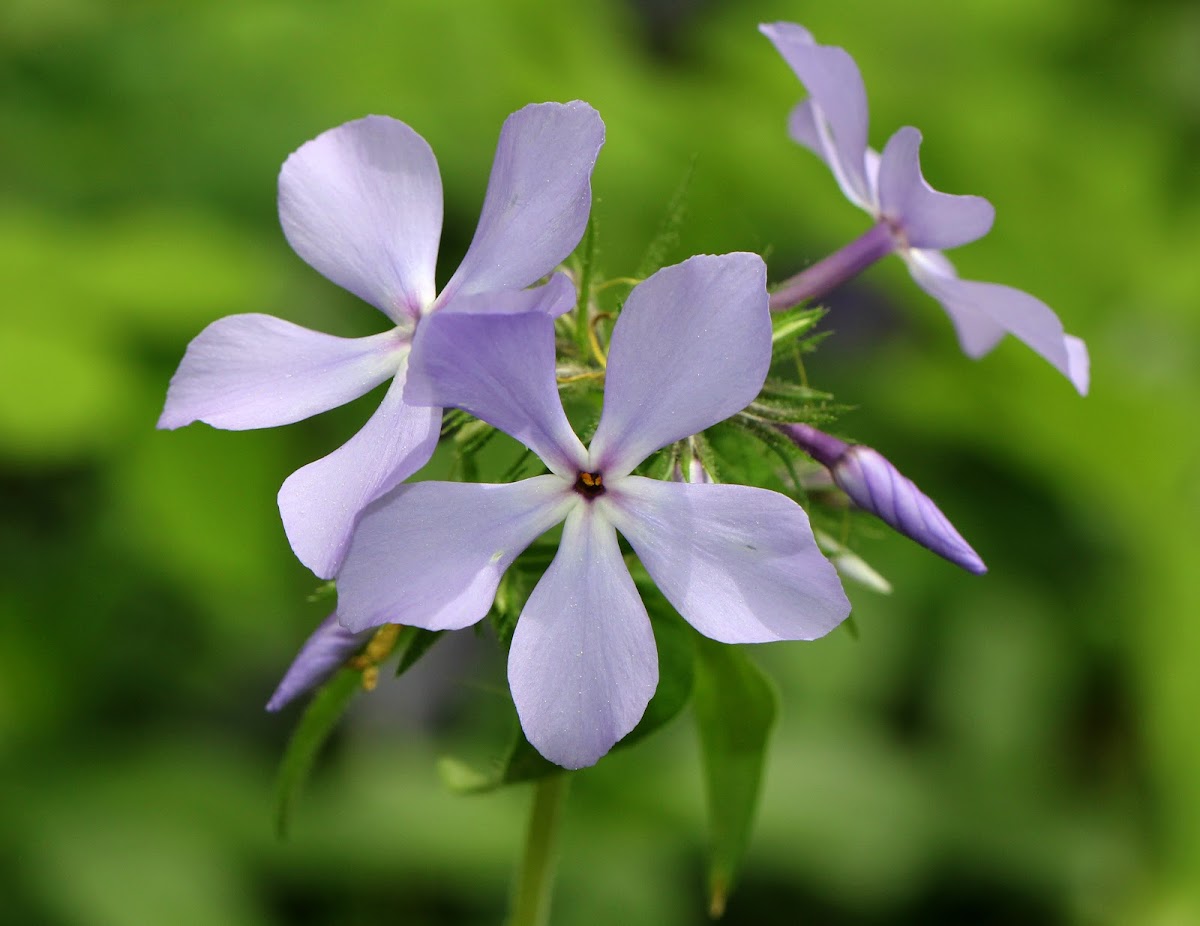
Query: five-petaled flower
x,y
362,204
912,219
690,348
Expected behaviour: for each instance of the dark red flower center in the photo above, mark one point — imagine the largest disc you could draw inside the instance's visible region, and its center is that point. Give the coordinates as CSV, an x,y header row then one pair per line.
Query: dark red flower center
x,y
589,485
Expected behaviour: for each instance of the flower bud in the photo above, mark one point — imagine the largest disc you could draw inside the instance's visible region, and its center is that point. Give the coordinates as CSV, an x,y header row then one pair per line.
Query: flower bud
x,y
695,472
875,485
322,654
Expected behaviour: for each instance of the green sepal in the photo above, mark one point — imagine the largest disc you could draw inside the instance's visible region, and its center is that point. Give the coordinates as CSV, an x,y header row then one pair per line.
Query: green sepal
x,y
779,445
787,326
412,643
316,723
735,705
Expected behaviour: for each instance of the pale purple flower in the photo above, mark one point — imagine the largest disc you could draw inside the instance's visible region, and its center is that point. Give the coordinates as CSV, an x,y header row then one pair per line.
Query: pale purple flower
x,y
875,485
913,219
690,348
322,654
362,204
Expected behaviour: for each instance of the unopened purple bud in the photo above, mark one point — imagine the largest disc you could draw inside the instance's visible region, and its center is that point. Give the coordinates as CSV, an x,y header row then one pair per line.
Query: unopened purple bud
x,y
322,654
875,485
695,472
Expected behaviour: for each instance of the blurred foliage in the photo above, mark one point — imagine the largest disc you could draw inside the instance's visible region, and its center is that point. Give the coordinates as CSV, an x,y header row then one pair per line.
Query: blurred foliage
x,y
1017,748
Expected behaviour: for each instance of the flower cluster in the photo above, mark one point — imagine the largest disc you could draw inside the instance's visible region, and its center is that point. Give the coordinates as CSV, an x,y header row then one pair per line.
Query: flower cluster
x,y
690,348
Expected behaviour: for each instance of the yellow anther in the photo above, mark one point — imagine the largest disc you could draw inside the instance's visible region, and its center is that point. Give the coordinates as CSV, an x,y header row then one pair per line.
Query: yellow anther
x,y
381,643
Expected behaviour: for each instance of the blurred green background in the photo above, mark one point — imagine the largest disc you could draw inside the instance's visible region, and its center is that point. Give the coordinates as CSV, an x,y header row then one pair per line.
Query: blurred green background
x,y
1018,748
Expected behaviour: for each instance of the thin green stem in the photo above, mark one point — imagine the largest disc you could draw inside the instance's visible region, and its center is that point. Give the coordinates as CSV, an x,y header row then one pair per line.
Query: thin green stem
x,y
583,309
531,899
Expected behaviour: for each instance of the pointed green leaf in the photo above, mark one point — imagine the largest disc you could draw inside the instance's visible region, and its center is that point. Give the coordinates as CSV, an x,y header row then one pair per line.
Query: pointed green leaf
x,y
676,665
317,722
413,643
735,706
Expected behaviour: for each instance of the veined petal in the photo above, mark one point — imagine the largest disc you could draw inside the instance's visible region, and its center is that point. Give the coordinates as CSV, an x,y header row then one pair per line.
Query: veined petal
x,y
362,204
329,647
977,333
583,664
256,371
875,485
981,310
738,563
554,298
691,347
837,117
538,198
499,368
321,501
929,219
431,554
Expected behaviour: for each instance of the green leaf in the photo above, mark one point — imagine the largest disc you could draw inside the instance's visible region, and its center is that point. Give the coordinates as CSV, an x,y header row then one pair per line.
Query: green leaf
x,y
412,644
521,763
317,722
676,666
735,705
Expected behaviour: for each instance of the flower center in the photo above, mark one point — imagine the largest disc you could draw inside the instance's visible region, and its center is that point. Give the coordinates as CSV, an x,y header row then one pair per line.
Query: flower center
x,y
589,485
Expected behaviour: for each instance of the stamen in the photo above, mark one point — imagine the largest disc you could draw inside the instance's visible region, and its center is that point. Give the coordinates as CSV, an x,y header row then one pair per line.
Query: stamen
x,y
590,485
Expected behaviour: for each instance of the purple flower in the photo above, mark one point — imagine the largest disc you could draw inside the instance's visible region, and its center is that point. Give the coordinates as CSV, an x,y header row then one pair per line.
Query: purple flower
x,y
912,218
690,348
878,487
362,204
328,648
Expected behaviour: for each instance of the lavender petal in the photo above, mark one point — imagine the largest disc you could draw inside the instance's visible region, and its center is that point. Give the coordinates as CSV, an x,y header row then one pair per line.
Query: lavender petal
x,y
555,298
431,554
1079,364
738,563
837,118
256,371
875,485
499,368
691,347
321,501
538,198
583,663
362,205
927,218
329,646
981,310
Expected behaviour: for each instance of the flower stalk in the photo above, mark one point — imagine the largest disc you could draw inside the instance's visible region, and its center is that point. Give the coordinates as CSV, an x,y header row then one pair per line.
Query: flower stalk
x,y
827,274
535,880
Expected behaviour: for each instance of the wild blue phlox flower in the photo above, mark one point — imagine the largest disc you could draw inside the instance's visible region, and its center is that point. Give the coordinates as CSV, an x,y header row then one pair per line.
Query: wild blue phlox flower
x,y
362,204
690,348
912,218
